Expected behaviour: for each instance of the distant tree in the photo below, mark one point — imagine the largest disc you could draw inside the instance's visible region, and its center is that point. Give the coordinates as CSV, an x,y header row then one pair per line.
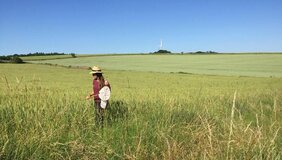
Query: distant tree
x,y
163,51
211,52
10,59
73,55
207,52
16,59
5,58
199,52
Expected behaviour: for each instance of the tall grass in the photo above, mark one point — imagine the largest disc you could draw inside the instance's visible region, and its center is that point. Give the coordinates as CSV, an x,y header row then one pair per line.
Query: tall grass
x,y
40,119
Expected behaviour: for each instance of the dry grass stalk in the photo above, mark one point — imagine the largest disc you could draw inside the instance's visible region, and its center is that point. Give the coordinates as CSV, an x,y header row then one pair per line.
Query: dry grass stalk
x,y
231,127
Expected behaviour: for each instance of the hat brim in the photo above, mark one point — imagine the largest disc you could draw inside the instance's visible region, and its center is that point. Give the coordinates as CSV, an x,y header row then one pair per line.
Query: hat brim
x,y
94,72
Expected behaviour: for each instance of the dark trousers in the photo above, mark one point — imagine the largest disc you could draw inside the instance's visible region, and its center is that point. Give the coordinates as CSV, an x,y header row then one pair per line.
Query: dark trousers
x,y
99,114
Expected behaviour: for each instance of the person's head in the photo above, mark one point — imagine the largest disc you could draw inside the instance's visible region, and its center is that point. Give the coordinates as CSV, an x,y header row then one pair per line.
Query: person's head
x,y
98,75
96,72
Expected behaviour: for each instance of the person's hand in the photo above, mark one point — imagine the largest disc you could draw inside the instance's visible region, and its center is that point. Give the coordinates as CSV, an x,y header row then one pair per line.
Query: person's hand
x,y
88,97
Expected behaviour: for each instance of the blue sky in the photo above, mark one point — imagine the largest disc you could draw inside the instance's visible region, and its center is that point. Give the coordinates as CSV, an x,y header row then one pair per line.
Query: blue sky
x,y
134,26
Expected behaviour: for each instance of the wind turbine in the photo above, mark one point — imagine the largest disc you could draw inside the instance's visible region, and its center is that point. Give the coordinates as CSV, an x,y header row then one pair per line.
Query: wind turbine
x,y
161,44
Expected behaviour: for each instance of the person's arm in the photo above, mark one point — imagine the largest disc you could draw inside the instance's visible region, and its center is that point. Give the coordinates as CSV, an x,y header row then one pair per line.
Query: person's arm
x,y
89,96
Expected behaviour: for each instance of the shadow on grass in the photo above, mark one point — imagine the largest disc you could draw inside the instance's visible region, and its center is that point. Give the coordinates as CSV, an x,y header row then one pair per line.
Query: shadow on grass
x,y
183,116
117,110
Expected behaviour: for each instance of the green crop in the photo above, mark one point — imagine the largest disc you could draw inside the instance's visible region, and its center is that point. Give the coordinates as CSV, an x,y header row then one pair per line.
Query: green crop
x,y
258,65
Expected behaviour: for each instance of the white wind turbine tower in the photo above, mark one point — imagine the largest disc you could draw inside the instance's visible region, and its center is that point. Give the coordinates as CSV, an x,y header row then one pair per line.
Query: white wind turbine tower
x,y
161,44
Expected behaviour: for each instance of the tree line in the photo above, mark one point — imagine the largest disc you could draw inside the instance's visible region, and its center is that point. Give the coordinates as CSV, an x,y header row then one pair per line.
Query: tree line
x,y
41,54
15,58
169,52
10,59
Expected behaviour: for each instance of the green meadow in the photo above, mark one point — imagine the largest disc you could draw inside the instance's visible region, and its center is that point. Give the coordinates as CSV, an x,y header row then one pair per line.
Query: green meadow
x,y
259,65
229,107
36,58
52,57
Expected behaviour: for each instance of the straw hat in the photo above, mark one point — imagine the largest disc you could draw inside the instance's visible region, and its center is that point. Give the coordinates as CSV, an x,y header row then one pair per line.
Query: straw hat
x,y
95,69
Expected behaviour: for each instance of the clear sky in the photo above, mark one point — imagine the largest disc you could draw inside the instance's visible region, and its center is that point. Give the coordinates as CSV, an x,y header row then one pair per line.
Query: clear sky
x,y
134,26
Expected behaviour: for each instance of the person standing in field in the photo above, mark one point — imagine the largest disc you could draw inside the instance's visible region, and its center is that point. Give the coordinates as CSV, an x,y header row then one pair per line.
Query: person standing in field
x,y
98,83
